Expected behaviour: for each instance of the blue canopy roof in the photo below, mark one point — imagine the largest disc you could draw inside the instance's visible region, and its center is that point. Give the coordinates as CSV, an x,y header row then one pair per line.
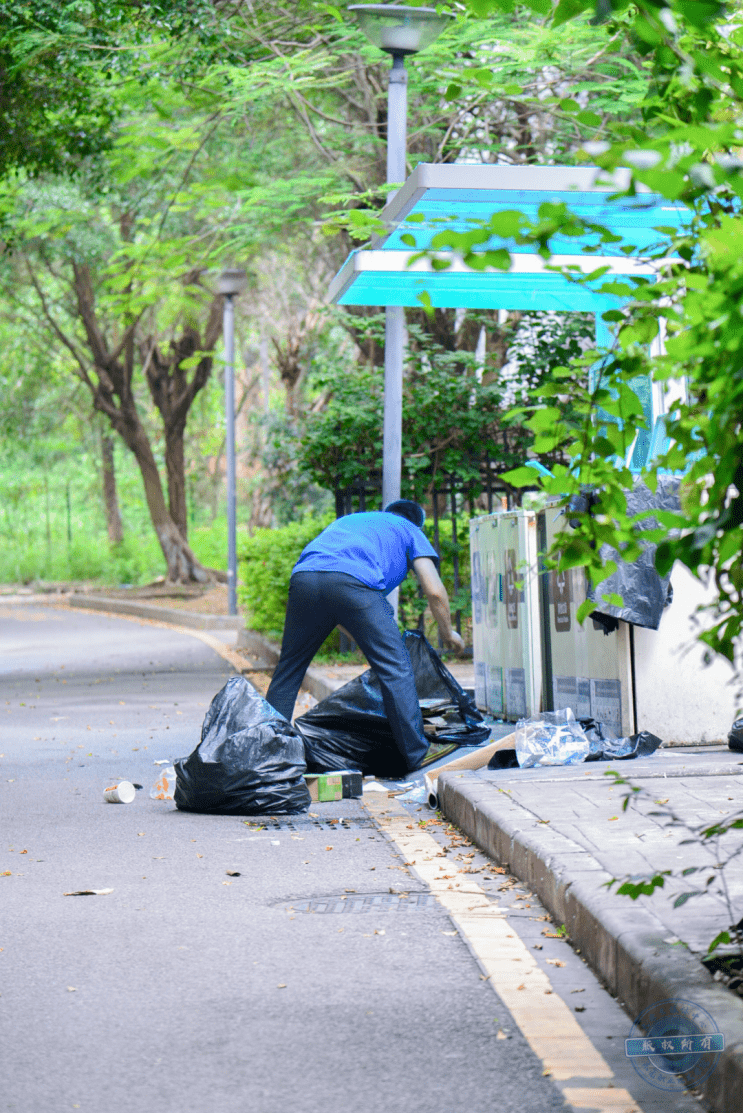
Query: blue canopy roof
x,y
462,197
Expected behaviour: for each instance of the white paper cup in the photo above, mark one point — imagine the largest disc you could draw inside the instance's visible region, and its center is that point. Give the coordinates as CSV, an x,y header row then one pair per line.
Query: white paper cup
x,y
122,793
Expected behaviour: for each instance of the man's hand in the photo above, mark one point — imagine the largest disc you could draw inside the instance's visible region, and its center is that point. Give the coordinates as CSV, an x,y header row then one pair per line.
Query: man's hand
x,y
438,601
455,642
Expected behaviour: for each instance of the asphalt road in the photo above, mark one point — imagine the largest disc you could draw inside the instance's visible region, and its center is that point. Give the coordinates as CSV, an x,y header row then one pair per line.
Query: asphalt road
x,y
187,989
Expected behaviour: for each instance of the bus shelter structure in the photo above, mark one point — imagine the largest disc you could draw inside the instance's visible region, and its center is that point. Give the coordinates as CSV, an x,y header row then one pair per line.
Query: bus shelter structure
x,y
462,198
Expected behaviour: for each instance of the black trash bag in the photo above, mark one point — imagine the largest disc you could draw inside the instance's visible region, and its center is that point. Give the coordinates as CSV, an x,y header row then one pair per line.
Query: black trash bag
x,y
250,760
605,746
349,730
504,759
735,738
645,594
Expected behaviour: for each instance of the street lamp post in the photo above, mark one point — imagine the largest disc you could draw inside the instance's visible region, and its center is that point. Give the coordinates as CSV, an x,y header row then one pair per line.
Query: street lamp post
x,y
398,30
231,283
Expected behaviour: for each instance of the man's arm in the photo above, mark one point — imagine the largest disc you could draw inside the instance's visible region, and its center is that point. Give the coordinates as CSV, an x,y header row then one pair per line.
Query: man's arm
x,y
438,601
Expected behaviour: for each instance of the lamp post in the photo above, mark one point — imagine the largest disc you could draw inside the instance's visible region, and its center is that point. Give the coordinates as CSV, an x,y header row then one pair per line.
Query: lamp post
x,y
397,30
231,283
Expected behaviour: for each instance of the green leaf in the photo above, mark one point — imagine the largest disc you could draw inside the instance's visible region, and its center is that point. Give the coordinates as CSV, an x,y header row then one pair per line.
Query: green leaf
x,y
723,937
585,609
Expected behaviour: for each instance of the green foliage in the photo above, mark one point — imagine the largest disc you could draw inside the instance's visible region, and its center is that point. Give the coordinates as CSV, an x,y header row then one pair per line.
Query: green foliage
x,y
682,142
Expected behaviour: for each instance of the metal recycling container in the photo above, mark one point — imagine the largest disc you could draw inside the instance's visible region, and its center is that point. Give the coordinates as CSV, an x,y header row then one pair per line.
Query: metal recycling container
x,y
506,614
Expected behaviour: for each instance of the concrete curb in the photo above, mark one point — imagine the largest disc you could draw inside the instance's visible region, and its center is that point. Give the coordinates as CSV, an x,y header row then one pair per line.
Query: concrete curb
x,y
151,610
623,943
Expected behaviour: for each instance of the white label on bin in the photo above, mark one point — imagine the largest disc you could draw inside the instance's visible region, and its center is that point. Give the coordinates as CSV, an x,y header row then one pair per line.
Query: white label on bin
x,y
583,710
495,689
481,694
516,693
564,693
606,702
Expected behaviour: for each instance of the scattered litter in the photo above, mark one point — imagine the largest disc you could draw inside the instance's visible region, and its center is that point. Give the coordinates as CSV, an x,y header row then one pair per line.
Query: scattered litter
x,y
374,786
552,738
121,793
250,760
163,761
340,784
233,873
577,991
558,738
88,893
417,795
164,786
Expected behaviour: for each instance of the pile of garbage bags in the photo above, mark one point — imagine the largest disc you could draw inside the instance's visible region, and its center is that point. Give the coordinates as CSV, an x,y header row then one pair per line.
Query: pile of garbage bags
x,y
250,760
349,729
558,738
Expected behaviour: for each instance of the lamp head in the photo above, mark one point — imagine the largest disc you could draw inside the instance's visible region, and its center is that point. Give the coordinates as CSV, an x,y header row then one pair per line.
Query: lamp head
x,y
232,281
397,29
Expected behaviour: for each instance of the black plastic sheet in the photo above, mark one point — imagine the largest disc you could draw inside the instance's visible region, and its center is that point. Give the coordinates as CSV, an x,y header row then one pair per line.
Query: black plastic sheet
x,y
349,730
250,760
644,593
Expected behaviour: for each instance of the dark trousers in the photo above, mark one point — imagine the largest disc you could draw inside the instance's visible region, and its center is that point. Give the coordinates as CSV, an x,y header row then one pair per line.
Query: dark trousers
x,y
320,601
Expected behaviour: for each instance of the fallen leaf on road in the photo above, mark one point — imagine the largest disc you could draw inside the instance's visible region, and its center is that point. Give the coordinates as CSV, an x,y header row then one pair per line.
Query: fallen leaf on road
x,y
281,985
88,893
448,933
199,855
537,947
140,834
232,873
24,852
349,890
71,989
328,848
555,962
501,1036
484,977
6,873
577,991
226,882
522,986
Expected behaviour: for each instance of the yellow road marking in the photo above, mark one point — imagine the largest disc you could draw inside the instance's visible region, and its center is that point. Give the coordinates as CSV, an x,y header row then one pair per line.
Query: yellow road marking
x,y
546,1021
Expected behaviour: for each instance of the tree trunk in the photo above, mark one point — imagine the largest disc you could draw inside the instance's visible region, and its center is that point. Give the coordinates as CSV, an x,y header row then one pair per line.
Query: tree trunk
x,y
183,567
175,464
110,496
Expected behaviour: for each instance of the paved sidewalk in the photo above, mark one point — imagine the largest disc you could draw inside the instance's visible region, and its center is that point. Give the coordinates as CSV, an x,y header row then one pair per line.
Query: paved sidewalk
x,y
564,833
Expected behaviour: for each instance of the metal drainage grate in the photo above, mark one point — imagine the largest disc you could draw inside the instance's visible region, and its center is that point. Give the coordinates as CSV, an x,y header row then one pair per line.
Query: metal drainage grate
x,y
308,823
366,902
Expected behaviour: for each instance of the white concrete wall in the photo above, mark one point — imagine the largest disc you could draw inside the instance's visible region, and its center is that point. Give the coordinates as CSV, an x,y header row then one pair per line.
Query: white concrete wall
x,y
678,697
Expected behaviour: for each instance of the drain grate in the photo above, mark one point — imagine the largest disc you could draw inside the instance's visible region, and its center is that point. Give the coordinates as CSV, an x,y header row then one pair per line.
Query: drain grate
x,y
308,823
366,902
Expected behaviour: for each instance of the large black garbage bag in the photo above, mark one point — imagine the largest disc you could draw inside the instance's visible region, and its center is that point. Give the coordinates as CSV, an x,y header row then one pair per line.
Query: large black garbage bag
x,y
349,730
735,737
645,594
250,760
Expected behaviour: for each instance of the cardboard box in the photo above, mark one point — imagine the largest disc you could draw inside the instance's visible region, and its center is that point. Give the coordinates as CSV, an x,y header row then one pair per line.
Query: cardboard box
x,y
476,760
341,784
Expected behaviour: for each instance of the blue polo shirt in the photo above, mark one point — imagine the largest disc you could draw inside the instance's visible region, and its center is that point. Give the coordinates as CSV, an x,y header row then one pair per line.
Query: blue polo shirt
x,y
376,548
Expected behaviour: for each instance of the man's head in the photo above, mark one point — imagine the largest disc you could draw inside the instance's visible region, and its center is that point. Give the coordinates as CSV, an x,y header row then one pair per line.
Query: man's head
x,y
406,508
